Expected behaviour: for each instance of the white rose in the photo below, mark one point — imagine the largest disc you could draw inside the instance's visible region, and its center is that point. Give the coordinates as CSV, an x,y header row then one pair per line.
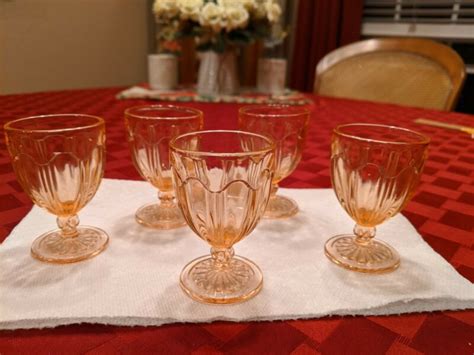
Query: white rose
x,y
228,3
211,16
190,9
248,4
273,11
237,17
165,8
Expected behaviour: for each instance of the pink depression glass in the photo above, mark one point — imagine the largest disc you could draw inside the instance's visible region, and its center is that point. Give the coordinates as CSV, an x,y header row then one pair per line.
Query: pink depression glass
x,y
59,162
375,170
223,182
287,126
150,128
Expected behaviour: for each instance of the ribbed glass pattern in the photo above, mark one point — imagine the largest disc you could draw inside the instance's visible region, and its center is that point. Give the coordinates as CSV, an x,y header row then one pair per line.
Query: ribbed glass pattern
x,y
223,205
149,131
60,172
59,162
222,181
373,181
287,126
375,170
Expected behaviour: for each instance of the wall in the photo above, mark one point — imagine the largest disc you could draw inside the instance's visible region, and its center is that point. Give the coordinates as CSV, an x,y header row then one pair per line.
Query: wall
x,y
67,44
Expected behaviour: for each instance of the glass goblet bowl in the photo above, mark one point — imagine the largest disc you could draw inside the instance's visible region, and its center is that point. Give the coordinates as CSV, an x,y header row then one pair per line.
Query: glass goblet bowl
x,y
59,162
375,170
149,129
223,182
287,126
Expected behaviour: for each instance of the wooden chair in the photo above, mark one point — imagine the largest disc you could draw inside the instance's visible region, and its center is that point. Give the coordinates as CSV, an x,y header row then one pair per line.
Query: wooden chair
x,y
404,71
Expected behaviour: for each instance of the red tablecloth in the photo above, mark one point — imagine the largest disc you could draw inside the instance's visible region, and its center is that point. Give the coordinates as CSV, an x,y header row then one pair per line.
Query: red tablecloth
x,y
442,211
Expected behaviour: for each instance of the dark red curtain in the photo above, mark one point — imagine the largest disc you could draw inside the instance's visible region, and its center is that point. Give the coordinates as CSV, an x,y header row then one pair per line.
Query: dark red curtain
x,y
322,26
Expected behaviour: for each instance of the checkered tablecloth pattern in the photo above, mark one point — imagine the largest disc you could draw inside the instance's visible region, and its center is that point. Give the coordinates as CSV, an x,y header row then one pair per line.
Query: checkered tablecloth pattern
x,y
442,211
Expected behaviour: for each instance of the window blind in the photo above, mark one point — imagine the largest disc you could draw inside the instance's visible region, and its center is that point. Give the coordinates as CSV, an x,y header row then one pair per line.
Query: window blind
x,y
451,20
419,11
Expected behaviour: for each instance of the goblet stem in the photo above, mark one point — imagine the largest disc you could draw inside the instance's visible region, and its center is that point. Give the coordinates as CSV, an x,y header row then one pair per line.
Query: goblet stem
x,y
68,226
221,278
361,252
163,215
70,243
274,190
222,257
166,198
364,235
279,206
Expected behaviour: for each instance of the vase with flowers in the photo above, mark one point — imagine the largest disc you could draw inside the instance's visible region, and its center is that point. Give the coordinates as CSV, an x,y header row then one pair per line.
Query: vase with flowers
x,y
219,27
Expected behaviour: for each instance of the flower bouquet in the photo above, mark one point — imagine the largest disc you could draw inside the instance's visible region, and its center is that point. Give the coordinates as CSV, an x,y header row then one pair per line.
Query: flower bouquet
x,y
219,27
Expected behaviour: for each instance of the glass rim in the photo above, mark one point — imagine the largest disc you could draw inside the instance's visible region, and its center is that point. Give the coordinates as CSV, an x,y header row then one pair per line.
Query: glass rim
x,y
9,126
247,108
193,112
270,142
423,138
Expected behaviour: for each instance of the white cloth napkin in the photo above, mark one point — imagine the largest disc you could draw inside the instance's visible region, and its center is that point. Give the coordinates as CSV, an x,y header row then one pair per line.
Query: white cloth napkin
x,y
135,280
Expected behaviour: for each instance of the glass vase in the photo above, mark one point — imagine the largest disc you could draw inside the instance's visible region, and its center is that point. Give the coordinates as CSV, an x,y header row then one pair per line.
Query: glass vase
x,y
218,73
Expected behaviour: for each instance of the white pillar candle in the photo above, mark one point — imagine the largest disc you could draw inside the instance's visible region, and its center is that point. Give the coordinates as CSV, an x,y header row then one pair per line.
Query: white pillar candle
x,y
271,75
162,71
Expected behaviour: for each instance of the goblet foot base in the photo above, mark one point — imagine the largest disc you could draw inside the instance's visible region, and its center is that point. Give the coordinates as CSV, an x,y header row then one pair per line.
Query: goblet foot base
x,y
207,282
159,217
280,207
374,257
53,247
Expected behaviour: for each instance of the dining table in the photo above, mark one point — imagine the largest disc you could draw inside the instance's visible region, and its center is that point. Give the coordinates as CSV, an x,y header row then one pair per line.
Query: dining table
x,y
442,211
